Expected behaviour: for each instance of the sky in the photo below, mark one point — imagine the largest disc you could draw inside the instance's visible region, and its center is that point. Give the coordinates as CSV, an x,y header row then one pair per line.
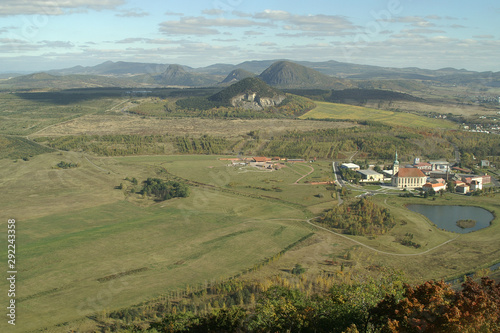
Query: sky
x,y
39,35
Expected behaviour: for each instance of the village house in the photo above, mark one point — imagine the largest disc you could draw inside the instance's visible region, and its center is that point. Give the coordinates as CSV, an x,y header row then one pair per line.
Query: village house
x,y
462,188
476,185
426,168
434,186
485,164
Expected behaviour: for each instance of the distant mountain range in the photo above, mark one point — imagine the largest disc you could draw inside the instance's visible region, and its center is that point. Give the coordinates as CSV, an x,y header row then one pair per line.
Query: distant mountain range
x,y
279,73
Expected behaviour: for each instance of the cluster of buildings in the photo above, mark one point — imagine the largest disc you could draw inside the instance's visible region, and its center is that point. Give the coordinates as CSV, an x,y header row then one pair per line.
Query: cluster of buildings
x,y
433,175
269,163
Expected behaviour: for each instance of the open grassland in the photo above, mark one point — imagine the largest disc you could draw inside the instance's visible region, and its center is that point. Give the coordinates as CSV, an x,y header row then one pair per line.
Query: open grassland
x,y
279,185
443,255
326,110
131,124
84,247
23,114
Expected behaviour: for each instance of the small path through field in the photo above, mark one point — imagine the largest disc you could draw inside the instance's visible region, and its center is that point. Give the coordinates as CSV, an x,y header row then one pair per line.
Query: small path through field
x,y
379,251
367,246
98,167
307,174
352,156
72,119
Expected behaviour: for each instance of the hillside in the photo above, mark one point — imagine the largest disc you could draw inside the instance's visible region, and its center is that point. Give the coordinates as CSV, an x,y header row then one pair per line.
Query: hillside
x,y
48,81
119,68
249,93
176,75
286,74
237,75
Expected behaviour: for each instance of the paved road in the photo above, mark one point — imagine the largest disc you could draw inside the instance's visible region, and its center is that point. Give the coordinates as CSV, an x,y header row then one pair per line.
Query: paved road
x,y
457,153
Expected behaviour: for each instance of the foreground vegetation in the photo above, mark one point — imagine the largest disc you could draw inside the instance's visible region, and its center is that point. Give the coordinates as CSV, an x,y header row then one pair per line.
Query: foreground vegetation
x,y
317,304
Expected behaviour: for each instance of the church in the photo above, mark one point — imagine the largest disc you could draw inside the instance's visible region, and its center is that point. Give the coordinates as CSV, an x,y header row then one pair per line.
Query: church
x,y
407,177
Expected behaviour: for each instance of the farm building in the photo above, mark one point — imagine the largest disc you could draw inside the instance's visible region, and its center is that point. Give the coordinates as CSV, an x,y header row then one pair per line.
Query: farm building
x,y
261,159
485,164
442,166
436,187
371,176
350,166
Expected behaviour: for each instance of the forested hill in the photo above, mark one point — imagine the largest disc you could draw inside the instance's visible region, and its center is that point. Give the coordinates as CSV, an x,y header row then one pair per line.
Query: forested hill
x,y
250,85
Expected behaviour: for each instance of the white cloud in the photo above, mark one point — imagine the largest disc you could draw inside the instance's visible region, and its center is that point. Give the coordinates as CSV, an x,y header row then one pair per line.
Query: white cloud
x,y
203,26
133,12
253,33
133,40
484,36
277,15
308,25
52,7
214,12
266,44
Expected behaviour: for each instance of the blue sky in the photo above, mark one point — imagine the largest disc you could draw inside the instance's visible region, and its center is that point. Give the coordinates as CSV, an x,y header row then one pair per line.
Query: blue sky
x,y
38,35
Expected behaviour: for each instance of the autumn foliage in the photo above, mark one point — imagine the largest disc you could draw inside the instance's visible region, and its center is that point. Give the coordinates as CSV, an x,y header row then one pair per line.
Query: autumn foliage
x,y
436,307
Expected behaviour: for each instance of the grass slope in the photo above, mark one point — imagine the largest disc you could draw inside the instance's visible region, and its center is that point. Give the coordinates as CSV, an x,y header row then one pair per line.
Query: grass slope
x,y
82,248
326,110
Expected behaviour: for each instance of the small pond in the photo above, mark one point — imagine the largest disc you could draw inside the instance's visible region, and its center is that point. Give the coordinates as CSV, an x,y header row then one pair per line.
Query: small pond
x,y
446,217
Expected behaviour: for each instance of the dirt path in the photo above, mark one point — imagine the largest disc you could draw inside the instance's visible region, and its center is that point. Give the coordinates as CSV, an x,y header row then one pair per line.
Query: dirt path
x,y
307,174
73,119
379,251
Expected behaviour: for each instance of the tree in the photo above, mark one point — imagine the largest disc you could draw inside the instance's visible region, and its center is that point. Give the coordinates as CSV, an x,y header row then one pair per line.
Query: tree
x,y
436,307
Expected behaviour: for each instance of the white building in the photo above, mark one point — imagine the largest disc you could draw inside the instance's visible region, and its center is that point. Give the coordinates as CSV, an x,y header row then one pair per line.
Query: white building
x,y
371,176
350,166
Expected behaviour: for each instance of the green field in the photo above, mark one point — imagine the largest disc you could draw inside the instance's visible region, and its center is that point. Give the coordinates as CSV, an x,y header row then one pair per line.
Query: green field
x,y
325,110
85,248
75,261
23,114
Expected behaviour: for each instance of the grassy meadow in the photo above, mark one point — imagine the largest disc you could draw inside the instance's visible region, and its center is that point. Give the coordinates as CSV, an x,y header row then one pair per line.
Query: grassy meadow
x,y
84,246
325,110
24,114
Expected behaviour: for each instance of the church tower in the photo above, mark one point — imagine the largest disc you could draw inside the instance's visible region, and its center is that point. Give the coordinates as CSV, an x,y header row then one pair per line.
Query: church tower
x,y
395,166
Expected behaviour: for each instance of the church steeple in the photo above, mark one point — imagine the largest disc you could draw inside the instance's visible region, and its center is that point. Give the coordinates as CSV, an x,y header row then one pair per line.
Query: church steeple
x,y
395,166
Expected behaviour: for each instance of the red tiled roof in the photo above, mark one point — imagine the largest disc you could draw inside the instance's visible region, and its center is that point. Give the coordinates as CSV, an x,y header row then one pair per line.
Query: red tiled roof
x,y
410,172
433,185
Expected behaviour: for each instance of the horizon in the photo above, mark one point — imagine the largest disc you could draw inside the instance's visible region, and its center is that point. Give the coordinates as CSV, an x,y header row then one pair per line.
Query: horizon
x,y
221,63
46,35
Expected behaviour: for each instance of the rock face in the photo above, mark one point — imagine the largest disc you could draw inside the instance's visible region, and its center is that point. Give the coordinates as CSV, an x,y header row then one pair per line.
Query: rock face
x,y
249,93
252,101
